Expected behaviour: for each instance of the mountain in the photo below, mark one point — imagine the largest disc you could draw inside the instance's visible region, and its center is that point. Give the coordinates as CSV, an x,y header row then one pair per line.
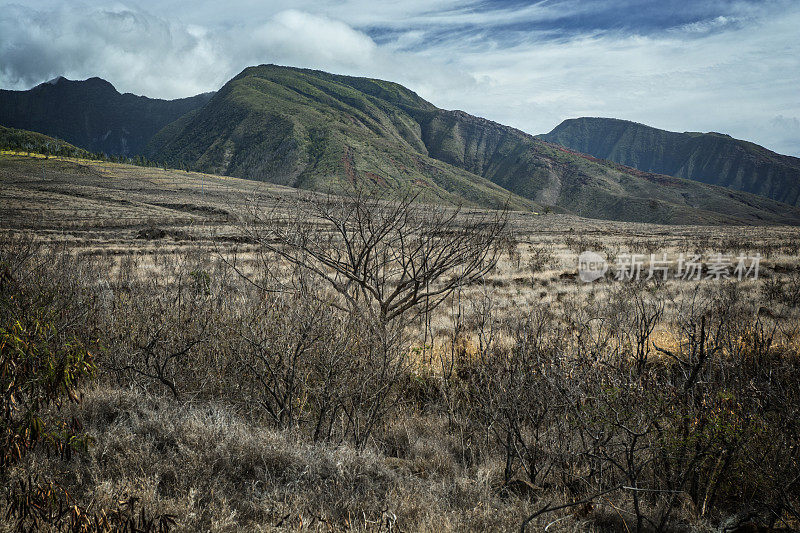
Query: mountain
x,y
31,142
309,129
707,157
92,114
327,132
316,130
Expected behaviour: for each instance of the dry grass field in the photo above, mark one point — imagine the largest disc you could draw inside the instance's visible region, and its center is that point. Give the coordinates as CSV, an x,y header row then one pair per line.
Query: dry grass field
x,y
223,383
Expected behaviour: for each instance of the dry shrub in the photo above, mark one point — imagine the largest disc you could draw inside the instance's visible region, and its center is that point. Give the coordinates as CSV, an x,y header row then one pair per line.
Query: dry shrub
x,y
280,393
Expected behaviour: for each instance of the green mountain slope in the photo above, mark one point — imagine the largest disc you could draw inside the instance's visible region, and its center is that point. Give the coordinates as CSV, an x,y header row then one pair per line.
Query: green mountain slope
x,y
31,142
92,114
707,157
321,131
318,131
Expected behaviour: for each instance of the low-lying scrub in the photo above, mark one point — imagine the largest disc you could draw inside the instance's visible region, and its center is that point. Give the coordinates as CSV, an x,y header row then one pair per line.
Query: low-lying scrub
x,y
298,393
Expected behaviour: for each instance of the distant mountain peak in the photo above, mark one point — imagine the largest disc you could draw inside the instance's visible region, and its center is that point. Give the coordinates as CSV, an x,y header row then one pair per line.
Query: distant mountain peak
x,y
327,132
55,81
713,157
62,82
92,114
98,83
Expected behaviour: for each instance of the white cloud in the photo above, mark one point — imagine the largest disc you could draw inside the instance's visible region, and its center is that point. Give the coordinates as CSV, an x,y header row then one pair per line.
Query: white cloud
x,y
305,40
733,73
140,52
145,54
704,26
734,81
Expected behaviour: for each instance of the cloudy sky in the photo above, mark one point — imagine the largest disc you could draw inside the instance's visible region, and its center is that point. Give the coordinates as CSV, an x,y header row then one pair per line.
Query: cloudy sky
x,y
685,65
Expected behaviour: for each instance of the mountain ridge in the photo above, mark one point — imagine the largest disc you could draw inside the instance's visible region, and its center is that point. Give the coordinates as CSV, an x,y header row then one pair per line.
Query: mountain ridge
x,y
713,158
318,130
92,114
328,132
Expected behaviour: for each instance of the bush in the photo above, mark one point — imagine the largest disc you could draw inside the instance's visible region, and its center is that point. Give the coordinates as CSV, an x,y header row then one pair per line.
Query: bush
x,y
43,364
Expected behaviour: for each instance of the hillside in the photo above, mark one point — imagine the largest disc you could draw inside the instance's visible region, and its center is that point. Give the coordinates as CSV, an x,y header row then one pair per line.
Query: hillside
x,y
315,130
31,142
150,266
308,129
707,157
92,114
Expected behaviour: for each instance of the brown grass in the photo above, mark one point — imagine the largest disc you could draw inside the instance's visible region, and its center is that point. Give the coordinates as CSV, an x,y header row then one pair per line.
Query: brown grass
x,y
434,463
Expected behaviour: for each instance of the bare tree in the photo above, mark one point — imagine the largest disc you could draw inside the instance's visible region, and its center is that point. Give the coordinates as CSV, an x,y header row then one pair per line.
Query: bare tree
x,y
394,256
375,259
